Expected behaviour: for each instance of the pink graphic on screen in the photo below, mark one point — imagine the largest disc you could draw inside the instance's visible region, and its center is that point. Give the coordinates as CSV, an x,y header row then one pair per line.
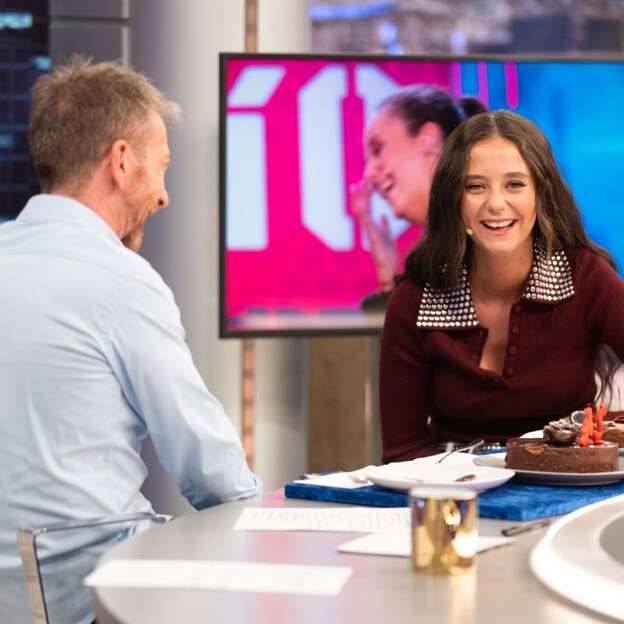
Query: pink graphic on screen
x,y
295,134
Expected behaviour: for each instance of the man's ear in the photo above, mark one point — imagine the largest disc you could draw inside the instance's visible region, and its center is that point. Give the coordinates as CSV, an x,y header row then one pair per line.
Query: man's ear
x,y
119,162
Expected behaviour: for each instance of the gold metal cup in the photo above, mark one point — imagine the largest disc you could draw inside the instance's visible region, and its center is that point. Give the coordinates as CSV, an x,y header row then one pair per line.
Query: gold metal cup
x,y
444,529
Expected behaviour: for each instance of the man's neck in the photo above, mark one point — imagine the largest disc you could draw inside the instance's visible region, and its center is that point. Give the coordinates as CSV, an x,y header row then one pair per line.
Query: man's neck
x,y
102,203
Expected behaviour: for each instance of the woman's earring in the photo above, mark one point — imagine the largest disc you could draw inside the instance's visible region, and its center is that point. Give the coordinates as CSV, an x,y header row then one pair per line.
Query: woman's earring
x,y
469,232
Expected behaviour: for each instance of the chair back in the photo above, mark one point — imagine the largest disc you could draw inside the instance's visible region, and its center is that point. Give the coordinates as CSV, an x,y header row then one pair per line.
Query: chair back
x,y
27,546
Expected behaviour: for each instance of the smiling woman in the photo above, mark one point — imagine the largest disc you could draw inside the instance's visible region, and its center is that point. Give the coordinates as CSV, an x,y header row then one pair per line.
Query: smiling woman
x,y
498,207
506,307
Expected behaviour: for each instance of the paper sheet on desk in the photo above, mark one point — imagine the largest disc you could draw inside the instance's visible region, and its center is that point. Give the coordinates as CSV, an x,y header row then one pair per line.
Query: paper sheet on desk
x,y
271,578
398,544
352,519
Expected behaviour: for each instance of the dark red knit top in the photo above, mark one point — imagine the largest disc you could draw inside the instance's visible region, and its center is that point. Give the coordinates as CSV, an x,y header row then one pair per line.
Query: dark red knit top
x,y
432,389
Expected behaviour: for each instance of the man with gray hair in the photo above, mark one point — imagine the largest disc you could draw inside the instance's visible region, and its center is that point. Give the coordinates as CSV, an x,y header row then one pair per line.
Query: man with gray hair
x,y
92,352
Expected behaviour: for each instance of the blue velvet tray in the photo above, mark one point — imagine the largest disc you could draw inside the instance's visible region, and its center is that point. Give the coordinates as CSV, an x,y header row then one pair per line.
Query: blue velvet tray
x,y
510,501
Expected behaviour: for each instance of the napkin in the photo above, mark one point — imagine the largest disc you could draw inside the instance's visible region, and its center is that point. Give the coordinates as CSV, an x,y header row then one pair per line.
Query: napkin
x,y
398,544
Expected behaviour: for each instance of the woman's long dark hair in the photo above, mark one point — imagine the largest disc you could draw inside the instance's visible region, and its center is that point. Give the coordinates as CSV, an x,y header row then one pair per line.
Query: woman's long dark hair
x,y
440,255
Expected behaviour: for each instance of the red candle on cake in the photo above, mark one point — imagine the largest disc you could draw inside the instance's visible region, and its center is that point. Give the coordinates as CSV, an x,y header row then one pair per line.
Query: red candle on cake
x,y
587,427
601,412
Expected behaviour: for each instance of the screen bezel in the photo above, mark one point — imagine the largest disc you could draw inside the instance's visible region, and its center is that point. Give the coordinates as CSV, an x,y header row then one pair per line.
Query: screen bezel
x,y
373,324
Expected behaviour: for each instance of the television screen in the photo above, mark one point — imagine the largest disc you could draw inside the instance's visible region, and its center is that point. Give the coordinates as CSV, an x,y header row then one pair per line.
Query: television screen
x,y
294,259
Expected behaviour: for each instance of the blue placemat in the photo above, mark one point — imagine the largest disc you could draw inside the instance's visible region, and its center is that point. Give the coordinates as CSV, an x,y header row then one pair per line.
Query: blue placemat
x,y
510,501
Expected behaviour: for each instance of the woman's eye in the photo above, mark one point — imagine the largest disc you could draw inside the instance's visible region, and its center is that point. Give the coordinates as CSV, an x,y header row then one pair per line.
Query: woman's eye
x,y
473,186
516,184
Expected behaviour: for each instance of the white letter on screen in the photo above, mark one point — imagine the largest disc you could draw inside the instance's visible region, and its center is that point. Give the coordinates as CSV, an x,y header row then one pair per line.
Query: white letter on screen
x,y
245,185
321,141
246,159
255,85
373,86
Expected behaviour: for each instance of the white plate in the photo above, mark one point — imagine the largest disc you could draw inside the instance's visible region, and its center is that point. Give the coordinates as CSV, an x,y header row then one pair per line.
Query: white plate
x,y
533,434
497,460
581,557
406,475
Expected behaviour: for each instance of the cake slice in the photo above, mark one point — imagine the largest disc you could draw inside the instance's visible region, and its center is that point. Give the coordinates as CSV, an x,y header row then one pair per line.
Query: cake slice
x,y
559,451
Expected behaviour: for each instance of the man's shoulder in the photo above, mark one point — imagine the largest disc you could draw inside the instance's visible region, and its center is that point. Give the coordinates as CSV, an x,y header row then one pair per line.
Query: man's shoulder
x,y
107,254
129,265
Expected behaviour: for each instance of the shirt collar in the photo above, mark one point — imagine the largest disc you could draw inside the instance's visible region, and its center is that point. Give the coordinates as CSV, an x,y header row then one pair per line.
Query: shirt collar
x,y
58,208
550,281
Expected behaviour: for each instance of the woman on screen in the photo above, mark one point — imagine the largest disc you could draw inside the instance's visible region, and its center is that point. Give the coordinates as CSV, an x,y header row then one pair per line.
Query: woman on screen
x,y
401,145
506,311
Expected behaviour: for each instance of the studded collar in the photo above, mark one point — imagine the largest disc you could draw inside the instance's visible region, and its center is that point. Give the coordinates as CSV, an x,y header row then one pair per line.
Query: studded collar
x,y
550,281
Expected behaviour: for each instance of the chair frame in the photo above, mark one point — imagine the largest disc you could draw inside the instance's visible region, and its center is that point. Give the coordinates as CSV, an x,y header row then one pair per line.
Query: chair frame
x,y
27,546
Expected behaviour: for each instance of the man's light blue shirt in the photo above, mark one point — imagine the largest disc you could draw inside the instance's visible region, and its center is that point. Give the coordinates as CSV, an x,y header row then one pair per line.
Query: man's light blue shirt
x,y
93,358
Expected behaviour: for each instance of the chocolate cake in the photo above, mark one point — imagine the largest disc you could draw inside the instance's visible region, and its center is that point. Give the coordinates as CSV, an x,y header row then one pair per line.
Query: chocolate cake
x,y
614,431
559,451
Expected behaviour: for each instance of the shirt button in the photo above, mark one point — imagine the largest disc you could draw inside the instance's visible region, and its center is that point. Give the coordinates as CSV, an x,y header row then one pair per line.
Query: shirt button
x,y
509,372
475,357
515,329
517,309
513,350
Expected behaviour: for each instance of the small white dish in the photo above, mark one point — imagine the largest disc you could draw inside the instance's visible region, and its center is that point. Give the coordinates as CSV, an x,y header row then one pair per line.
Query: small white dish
x,y
405,475
456,458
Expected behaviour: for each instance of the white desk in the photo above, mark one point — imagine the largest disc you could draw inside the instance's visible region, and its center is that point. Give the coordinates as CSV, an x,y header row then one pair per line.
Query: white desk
x,y
503,589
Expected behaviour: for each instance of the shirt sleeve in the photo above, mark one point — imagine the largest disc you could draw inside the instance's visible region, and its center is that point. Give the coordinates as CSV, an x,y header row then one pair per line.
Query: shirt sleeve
x,y
404,378
193,437
603,290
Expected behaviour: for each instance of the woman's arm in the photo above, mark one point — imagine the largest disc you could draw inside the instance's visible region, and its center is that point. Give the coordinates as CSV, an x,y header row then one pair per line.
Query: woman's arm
x,y
404,379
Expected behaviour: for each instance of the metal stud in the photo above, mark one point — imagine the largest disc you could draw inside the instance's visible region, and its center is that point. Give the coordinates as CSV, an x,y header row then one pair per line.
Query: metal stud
x,y
550,280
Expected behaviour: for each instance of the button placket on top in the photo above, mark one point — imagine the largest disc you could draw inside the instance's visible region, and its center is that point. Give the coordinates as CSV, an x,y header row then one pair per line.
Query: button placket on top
x,y
511,352
477,346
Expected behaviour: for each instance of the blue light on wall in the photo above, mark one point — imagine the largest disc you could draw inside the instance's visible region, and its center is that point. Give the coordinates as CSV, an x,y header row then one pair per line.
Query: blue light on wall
x,y
350,11
16,20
